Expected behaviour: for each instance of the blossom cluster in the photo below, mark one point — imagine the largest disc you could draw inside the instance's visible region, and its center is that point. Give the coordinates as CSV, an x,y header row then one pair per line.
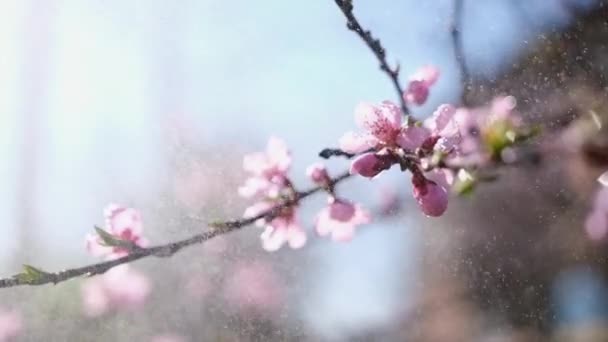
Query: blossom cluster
x,y
269,185
121,287
441,153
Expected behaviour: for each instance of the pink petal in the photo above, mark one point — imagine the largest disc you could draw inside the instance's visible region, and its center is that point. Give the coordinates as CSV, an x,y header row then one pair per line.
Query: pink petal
x,y
255,163
254,186
417,93
341,211
383,122
123,219
273,238
369,165
412,137
442,116
278,154
352,142
443,177
344,233
317,173
432,198
427,74
296,237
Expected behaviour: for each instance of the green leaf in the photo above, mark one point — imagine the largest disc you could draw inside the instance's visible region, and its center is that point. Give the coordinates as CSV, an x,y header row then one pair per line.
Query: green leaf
x,y
30,274
110,240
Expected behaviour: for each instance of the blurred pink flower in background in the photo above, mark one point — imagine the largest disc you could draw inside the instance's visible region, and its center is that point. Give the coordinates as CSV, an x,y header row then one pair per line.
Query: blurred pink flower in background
x,y
340,219
268,170
418,88
123,223
317,173
596,224
11,325
254,288
120,288
199,286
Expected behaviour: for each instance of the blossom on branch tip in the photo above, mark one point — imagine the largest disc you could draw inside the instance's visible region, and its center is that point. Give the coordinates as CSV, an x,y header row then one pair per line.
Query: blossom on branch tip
x,y
381,127
281,230
123,224
432,198
317,173
418,88
340,219
370,164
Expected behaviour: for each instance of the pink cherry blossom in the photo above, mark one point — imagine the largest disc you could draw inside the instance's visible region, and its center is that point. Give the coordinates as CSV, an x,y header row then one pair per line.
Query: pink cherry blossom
x,y
413,136
431,197
370,164
283,229
123,223
280,230
381,126
442,125
340,219
276,160
120,288
419,86
268,170
254,288
318,174
10,325
596,224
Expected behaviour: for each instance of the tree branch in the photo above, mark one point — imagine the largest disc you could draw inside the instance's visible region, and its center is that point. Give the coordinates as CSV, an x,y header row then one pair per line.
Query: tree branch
x,y
166,250
346,6
456,31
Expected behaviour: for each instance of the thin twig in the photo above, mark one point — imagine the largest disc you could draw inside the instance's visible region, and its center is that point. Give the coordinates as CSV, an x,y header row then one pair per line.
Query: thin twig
x,y
165,250
346,6
456,31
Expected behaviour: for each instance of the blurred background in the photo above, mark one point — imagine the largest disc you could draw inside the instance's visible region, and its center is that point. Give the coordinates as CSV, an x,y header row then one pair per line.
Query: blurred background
x,y
152,104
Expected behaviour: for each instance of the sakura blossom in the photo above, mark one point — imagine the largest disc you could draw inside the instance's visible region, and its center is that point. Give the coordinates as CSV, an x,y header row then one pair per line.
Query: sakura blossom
x,y
381,127
11,324
281,230
340,219
268,170
317,173
120,288
270,186
418,88
122,223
